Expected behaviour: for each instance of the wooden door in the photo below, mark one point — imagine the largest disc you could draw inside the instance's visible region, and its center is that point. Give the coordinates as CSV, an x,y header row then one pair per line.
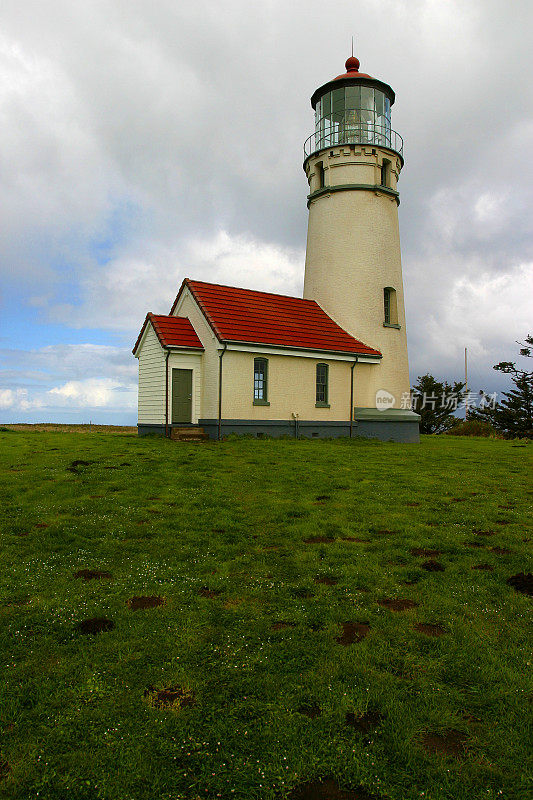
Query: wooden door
x,y
181,395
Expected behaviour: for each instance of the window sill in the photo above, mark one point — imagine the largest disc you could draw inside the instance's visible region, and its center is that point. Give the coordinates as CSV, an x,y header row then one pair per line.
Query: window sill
x,y
392,325
322,405
261,403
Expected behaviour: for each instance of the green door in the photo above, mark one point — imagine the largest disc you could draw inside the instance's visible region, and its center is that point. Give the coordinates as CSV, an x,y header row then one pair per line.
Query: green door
x,y
181,395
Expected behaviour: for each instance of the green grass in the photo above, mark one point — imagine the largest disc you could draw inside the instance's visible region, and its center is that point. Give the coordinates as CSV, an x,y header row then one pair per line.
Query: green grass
x,y
170,519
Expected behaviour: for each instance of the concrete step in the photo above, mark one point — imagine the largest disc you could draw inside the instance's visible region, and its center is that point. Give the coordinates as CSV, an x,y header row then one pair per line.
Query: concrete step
x,y
189,434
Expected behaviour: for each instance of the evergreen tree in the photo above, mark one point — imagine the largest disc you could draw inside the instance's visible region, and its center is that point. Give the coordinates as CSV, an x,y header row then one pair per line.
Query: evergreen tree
x,y
513,415
436,403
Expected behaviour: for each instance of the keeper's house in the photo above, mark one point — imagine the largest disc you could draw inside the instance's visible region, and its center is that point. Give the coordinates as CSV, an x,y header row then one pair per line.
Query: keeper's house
x,y
230,360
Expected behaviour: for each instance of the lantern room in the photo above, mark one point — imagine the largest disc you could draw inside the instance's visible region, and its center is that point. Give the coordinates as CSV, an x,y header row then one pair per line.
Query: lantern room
x,y
353,108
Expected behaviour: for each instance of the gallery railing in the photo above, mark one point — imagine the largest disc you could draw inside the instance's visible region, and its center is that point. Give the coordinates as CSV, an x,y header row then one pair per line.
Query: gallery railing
x,y
364,133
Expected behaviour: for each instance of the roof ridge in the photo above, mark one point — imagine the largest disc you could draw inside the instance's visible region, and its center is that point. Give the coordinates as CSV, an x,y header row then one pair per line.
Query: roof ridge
x,y
253,291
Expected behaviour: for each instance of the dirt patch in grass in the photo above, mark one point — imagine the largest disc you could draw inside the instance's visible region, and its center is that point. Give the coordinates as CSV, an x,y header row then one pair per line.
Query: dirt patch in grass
x,y
95,496
322,497
522,583
311,711
92,574
74,466
501,551
328,580
447,743
412,504
479,532
432,566
423,552
430,628
366,722
205,591
459,499
486,567
171,697
41,525
95,625
138,603
22,533
508,506
319,540
398,604
353,632
355,539
329,790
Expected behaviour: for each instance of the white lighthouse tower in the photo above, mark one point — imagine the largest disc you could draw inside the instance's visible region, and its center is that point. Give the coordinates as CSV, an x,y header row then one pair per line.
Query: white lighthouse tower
x,y
353,264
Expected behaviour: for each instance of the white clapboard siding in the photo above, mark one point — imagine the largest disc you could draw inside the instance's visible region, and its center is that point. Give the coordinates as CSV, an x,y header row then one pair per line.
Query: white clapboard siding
x,y
151,380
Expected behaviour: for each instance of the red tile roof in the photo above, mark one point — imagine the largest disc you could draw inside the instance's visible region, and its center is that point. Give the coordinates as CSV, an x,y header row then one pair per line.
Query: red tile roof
x,y
247,316
172,332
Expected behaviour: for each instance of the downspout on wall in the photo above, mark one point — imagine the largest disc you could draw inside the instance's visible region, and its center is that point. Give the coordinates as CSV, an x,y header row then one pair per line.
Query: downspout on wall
x,y
166,393
351,395
221,356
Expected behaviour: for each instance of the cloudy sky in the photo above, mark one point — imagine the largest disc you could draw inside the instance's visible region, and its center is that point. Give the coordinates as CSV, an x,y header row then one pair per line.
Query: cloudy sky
x,y
143,142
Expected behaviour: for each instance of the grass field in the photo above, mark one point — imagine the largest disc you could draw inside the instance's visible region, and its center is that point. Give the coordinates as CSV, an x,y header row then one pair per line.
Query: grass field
x,y
313,619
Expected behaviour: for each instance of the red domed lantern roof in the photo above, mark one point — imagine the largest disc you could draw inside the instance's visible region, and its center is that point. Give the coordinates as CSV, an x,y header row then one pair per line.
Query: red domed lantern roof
x,y
352,70
352,74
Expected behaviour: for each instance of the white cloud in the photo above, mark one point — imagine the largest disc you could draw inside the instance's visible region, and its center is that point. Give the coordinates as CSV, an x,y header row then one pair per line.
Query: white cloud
x,y
94,393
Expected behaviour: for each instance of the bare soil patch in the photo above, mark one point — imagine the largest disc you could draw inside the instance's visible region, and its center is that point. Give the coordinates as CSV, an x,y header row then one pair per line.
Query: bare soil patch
x,y
311,711
41,525
412,504
430,628
522,583
318,540
423,552
432,566
329,790
171,697
447,743
322,497
73,467
479,532
95,625
459,499
355,539
398,604
486,567
205,591
95,496
366,722
138,603
353,632
501,551
92,574
328,580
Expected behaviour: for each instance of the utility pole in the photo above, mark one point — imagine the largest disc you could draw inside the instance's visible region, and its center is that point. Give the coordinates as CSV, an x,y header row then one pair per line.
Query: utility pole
x,y
466,387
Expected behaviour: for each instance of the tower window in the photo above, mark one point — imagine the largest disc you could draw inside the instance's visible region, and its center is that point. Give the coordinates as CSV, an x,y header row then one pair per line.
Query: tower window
x,y
320,174
322,371
390,308
260,381
385,173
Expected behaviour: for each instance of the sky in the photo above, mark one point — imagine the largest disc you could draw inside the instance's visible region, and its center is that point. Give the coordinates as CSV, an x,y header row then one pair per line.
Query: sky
x,y
142,142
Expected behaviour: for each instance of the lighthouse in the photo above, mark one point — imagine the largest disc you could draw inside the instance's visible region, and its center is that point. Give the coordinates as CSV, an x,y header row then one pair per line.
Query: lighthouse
x,y
353,265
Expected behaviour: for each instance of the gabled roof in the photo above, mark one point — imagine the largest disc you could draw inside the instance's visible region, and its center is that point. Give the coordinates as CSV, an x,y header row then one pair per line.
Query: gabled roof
x,y
250,317
171,332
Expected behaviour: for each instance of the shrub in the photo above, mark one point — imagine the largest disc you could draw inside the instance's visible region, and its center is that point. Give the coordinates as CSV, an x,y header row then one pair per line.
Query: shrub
x,y
472,427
